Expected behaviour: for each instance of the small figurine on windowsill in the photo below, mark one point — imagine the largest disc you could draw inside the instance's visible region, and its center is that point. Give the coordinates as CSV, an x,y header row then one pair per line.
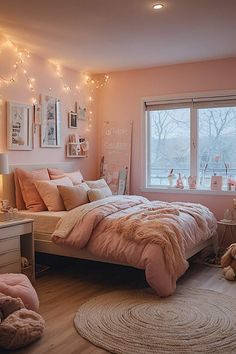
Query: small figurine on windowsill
x,y
171,177
192,182
179,182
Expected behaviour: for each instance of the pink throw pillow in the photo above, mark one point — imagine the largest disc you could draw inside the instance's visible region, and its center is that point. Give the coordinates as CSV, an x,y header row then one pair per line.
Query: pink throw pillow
x,y
50,194
55,172
18,285
76,177
20,204
74,196
31,197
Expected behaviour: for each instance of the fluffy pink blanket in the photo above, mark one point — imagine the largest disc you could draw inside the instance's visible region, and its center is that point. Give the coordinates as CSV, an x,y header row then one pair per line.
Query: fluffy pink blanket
x,y
159,232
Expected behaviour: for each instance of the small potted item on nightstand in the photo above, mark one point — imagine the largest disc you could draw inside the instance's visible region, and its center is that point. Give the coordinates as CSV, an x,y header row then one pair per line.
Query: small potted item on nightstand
x,y
4,207
7,212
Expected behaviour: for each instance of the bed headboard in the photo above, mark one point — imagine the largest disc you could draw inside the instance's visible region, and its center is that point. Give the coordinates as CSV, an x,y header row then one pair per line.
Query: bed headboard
x,y
8,180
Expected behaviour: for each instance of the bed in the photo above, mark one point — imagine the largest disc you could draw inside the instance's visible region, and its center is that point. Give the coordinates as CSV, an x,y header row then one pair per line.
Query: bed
x,y
46,221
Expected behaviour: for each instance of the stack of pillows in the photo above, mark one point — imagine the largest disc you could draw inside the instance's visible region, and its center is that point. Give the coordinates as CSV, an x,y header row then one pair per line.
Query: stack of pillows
x,y
55,190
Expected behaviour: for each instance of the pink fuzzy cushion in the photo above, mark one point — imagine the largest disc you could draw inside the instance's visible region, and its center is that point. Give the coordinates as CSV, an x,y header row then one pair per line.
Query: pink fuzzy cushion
x,y
18,285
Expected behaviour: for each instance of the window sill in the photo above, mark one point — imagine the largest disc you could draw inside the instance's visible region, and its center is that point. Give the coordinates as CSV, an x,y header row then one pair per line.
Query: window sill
x,y
173,190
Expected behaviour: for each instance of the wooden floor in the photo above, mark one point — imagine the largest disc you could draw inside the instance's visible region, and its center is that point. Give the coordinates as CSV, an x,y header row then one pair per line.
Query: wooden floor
x,y
62,290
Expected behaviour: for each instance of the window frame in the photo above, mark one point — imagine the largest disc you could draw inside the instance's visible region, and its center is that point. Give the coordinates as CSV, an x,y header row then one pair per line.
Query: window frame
x,y
200,100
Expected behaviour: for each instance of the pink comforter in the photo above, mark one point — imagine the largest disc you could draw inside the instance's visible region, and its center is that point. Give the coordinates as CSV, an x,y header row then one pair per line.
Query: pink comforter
x,y
92,226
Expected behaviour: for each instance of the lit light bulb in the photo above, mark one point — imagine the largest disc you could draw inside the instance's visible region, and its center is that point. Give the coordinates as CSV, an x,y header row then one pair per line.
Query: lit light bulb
x,y
157,6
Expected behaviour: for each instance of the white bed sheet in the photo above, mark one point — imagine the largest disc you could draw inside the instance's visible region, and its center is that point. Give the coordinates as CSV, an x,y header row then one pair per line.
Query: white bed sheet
x,y
44,221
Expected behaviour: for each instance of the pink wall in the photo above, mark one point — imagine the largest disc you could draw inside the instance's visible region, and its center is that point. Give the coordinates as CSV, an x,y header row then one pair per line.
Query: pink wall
x,y
45,77
120,100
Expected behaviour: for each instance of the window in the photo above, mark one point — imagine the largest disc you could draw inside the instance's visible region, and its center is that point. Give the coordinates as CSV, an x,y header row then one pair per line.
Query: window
x,y
194,137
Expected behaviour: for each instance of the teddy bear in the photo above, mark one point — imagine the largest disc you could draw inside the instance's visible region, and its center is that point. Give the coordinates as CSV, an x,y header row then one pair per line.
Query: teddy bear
x,y
228,262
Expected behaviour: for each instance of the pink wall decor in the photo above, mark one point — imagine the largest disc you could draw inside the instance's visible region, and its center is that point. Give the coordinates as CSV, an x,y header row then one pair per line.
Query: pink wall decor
x,y
115,155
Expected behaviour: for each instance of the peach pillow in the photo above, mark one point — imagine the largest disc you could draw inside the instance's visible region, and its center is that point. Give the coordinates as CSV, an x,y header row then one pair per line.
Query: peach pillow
x,y
55,172
100,185
20,204
76,177
31,197
74,196
50,194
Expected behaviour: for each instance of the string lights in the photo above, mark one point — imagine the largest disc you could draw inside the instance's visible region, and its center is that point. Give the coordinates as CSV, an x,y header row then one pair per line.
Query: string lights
x,y
90,82
19,67
97,83
21,57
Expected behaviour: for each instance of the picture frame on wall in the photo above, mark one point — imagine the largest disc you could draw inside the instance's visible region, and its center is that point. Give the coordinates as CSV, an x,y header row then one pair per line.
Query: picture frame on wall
x,y
19,126
82,113
37,114
72,120
50,122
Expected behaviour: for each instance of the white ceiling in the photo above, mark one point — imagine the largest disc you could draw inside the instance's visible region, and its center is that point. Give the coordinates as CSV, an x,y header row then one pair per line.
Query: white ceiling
x,y
111,35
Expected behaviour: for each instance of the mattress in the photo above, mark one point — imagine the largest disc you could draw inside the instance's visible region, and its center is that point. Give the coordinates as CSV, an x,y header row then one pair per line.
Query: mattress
x,y
44,221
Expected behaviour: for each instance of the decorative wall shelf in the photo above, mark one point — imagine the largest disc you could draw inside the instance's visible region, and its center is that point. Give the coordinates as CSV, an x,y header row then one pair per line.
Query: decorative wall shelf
x,y
77,149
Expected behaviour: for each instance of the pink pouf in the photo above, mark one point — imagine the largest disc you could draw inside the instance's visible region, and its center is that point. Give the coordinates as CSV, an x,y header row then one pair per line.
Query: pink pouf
x,y
18,285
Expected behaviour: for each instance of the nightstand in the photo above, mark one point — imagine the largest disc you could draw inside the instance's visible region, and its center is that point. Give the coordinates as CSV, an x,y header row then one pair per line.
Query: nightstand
x,y
16,241
229,226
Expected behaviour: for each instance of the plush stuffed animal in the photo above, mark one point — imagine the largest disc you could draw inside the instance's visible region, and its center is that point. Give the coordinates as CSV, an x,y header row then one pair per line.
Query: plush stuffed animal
x,y
228,262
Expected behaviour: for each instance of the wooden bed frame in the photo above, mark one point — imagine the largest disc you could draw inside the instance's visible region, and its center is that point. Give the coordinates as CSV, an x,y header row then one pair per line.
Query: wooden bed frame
x,y
47,246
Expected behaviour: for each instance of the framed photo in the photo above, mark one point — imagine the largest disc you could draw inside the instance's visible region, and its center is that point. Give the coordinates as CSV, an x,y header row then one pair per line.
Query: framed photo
x,y
37,114
82,113
19,126
51,122
72,120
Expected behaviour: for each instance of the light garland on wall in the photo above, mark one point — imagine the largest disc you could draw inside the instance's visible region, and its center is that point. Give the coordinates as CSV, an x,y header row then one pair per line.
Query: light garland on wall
x,y
93,84
90,82
97,83
22,55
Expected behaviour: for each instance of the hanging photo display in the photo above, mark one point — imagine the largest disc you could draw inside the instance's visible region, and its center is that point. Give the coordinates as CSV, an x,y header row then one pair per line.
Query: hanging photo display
x,y
116,155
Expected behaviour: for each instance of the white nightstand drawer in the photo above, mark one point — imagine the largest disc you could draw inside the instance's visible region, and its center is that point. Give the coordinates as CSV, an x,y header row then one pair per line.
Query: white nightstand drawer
x,y
16,230
11,268
9,244
9,257
16,240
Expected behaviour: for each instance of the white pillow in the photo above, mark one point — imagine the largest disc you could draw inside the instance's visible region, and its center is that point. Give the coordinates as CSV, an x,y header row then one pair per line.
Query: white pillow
x,y
101,185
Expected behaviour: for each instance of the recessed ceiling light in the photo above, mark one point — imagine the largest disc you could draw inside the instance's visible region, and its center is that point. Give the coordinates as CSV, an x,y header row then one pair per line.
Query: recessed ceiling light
x,y
157,6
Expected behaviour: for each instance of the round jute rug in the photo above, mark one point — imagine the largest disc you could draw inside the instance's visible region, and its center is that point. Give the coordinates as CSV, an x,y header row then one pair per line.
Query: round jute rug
x,y
190,321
